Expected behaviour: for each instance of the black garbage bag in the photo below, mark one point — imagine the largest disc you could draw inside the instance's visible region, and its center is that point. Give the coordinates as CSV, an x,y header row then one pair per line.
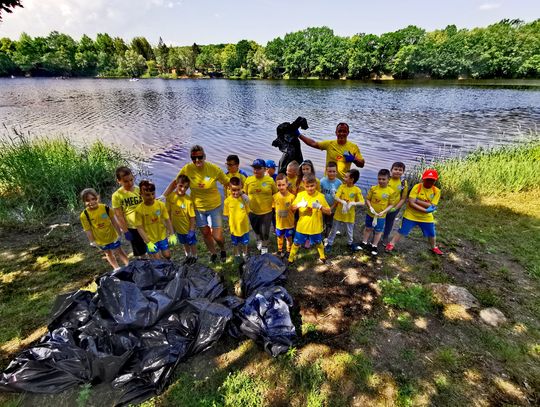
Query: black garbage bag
x,y
262,271
288,143
265,318
72,310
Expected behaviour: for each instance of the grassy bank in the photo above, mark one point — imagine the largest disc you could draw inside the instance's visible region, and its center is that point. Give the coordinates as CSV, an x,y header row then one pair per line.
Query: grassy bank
x,y
42,177
372,333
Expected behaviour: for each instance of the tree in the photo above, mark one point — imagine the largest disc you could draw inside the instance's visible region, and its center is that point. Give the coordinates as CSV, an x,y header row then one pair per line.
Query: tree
x,y
162,56
274,52
229,60
27,54
142,47
209,59
364,56
8,6
133,64
86,58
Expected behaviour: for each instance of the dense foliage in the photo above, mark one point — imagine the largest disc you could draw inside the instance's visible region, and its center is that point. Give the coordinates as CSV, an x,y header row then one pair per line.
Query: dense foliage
x,y
507,49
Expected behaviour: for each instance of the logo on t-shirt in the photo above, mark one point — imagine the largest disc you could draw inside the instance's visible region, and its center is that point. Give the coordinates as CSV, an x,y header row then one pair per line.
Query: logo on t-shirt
x,y
103,216
351,195
384,196
158,212
264,184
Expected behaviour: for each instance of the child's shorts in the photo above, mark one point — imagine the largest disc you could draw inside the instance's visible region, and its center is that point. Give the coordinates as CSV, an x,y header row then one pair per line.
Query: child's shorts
x,y
184,239
212,218
161,245
137,244
428,228
244,239
284,232
300,238
380,223
111,246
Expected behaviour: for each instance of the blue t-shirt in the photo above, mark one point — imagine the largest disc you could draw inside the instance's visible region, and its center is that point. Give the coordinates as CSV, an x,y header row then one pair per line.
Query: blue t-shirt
x,y
329,188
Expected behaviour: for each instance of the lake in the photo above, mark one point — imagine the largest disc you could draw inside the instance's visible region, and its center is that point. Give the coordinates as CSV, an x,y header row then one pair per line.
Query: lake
x,y
160,119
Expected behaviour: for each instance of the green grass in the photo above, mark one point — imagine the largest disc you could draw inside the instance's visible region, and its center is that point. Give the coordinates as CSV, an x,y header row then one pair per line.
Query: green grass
x,y
410,297
41,177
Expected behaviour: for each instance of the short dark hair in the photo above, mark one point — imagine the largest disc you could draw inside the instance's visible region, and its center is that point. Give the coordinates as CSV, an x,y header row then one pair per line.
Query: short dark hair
x,y
183,178
147,185
122,171
384,173
309,178
398,164
237,182
331,164
354,174
197,148
233,157
343,124
281,176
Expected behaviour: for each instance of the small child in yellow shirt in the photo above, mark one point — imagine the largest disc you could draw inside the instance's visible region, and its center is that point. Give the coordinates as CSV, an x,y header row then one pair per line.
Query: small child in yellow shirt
x,y
101,228
283,200
182,213
153,223
236,208
292,177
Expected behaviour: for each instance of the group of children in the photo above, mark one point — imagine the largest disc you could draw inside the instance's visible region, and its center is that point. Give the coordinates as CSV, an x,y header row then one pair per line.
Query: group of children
x,y
303,210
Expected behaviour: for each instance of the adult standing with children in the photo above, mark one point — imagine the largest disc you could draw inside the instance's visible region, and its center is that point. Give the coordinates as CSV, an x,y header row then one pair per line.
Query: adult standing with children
x,y
341,151
204,177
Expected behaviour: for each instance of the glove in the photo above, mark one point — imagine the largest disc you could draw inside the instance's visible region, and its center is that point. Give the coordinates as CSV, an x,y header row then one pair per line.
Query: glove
x,y
375,221
345,208
151,247
351,204
297,132
129,236
162,198
348,157
93,244
316,205
173,240
245,198
302,204
191,234
431,208
393,210
373,211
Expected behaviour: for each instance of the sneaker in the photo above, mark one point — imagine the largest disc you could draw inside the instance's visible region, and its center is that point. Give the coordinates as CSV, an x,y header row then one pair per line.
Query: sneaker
x,y
338,233
389,247
259,244
264,250
193,259
355,247
323,260
374,251
223,256
286,255
213,258
328,249
437,251
365,246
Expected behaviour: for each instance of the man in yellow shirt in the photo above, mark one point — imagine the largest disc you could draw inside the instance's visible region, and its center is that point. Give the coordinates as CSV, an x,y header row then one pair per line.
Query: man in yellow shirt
x,y
340,151
236,208
423,201
260,188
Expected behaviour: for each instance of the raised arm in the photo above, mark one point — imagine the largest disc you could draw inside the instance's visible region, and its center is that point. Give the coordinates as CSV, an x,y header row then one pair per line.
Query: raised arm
x,y
309,141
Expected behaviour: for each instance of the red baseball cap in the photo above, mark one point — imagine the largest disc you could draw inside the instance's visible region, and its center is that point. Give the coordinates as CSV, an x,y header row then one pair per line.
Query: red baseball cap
x,y
430,174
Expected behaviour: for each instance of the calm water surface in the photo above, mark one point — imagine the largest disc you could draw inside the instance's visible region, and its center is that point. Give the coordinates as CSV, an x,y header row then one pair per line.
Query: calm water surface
x,y
160,119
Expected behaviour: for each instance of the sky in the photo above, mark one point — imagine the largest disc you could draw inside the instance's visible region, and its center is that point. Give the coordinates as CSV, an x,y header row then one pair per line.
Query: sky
x,y
183,22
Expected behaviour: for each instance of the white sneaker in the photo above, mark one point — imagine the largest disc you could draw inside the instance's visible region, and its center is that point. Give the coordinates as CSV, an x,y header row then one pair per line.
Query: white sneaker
x,y
264,250
259,244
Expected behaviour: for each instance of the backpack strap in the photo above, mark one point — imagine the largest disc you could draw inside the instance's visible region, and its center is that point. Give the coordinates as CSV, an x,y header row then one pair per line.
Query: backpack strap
x,y
88,217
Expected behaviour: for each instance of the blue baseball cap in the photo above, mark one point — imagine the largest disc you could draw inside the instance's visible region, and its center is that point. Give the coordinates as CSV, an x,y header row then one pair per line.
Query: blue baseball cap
x,y
270,164
259,162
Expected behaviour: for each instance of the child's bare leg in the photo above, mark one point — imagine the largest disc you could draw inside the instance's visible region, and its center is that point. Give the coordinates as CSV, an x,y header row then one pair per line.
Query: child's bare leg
x,y
217,234
187,250
432,242
245,250
166,254
121,255
208,239
376,238
236,252
155,255
367,233
111,259
193,248
395,239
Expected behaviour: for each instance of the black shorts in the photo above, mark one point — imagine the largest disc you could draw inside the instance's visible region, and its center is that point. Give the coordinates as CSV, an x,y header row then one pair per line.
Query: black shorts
x,y
261,224
137,244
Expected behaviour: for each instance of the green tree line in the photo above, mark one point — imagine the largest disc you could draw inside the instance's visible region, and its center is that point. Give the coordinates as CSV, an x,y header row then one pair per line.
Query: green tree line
x,y
507,49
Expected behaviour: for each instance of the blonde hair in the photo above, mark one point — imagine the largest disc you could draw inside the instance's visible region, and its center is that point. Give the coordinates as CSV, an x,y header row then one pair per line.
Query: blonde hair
x,y
88,191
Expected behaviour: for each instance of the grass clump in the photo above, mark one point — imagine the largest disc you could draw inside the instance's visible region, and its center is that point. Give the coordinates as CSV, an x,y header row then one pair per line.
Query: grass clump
x,y
40,176
412,297
240,389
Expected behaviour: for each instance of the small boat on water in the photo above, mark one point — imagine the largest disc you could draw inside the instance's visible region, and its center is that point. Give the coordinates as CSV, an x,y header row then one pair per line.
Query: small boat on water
x,y
134,80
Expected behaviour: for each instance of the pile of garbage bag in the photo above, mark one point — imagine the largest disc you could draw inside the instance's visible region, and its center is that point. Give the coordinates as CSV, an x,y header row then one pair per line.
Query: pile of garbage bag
x,y
144,320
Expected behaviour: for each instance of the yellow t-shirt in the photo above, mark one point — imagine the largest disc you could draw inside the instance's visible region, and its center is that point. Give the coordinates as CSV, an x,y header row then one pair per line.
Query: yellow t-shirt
x,y
181,209
100,224
128,201
260,191
380,198
431,195
237,211
229,176
291,185
334,152
310,221
348,194
151,218
284,215
302,188
203,185
401,188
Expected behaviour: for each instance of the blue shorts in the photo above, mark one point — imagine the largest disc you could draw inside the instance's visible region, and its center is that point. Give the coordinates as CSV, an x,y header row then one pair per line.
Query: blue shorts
x,y
244,239
380,223
212,218
428,228
161,245
111,246
300,238
284,232
185,240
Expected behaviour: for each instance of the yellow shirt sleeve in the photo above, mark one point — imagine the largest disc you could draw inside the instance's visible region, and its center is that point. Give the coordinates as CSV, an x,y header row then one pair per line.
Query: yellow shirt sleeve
x,y
84,221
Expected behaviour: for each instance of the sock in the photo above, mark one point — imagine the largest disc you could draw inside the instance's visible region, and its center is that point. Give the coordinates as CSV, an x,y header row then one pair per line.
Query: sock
x,y
293,252
320,250
280,243
289,244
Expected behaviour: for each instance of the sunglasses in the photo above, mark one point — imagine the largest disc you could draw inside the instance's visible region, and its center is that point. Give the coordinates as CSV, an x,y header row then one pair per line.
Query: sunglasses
x,y
197,157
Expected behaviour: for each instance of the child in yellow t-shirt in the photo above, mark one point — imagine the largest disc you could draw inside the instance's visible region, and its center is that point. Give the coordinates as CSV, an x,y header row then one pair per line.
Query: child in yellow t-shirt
x,y
236,208
292,177
379,202
153,223
311,205
306,167
283,200
348,197
233,170
401,189
101,227
182,213
423,200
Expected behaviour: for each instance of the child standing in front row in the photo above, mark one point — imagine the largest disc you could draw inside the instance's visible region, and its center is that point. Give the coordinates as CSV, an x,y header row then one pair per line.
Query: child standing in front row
x,y
348,197
401,188
153,223
292,177
329,186
101,227
236,208
423,201
311,205
283,200
182,213
379,203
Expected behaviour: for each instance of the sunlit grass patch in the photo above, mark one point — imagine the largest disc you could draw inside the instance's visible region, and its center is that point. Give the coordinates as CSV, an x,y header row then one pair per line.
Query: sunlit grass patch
x,y
409,297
